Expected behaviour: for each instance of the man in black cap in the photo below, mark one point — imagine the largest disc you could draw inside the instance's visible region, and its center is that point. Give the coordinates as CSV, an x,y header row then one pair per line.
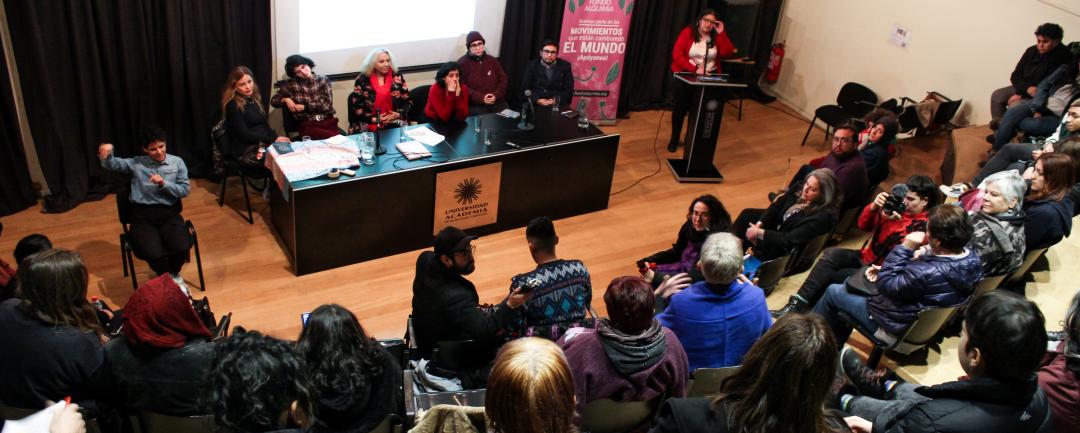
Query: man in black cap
x,y
445,304
483,75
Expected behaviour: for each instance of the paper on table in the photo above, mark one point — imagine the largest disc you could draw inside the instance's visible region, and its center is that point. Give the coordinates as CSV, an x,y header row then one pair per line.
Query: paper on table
x,y
412,150
337,139
425,135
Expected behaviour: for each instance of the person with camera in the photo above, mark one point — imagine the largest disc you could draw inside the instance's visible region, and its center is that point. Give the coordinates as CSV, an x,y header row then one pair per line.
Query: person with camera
x,y
891,217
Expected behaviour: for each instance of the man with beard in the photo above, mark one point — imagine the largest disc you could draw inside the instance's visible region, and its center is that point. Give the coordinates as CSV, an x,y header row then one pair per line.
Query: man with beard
x,y
445,304
549,78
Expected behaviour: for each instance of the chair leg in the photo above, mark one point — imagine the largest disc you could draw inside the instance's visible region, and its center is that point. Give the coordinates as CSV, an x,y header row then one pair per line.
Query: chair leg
x,y
131,264
221,194
247,200
123,257
198,259
875,357
740,107
808,129
828,130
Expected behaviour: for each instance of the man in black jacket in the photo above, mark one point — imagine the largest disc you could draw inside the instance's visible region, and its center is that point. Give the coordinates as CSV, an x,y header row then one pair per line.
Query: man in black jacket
x,y
1001,346
1038,61
445,304
549,78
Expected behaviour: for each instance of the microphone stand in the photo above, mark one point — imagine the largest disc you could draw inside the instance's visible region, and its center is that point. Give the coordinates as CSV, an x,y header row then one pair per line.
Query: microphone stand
x,y
526,113
379,149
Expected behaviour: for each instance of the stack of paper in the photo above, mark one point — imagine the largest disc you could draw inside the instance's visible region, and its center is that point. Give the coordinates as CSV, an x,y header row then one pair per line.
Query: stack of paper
x,y
413,150
425,135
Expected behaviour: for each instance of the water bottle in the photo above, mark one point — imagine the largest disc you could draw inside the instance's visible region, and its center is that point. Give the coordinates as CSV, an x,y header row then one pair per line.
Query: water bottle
x,y
582,119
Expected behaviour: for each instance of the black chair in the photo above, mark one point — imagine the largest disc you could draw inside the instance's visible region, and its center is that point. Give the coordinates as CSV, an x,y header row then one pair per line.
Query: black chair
x,y
770,273
805,256
709,381
127,248
150,422
419,96
847,221
609,416
222,329
853,102
918,335
219,138
9,413
459,355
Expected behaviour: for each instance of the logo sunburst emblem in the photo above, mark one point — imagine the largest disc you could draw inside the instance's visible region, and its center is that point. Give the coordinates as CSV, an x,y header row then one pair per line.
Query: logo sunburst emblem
x,y
468,191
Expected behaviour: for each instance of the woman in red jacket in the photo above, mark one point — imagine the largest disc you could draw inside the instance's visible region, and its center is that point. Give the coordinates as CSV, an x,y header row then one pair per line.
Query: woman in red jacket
x,y
696,51
448,98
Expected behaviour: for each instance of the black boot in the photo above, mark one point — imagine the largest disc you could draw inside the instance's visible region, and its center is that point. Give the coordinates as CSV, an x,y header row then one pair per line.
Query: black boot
x,y
673,144
795,305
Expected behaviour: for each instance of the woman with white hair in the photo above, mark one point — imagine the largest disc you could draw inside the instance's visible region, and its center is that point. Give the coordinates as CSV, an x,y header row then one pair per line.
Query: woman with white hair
x,y
380,98
999,224
717,320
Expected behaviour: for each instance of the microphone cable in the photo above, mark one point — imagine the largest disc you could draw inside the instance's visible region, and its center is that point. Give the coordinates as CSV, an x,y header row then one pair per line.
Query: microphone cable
x,y
659,125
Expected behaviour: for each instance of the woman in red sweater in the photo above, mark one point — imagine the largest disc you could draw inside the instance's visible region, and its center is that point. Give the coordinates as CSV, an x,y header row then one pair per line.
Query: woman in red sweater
x,y
448,98
696,51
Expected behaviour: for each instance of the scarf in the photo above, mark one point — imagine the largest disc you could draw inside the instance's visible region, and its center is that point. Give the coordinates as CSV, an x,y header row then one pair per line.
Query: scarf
x,y
159,315
794,209
384,102
632,353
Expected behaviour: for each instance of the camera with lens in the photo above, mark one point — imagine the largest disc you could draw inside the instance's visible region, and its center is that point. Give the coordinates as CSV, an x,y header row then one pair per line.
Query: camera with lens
x,y
895,201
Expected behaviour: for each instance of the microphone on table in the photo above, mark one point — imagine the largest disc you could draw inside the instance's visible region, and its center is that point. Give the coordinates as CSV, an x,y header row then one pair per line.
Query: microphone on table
x,y
526,112
379,149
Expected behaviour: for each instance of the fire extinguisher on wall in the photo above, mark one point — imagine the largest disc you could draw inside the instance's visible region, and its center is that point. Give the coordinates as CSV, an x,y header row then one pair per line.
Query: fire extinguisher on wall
x,y
776,58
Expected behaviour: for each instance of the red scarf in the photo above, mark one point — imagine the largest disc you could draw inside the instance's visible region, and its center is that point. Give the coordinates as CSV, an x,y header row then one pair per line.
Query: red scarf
x,y
159,315
384,102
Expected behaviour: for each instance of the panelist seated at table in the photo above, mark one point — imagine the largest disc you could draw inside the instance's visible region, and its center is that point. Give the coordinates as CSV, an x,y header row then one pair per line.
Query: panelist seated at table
x,y
485,77
445,305
308,97
549,78
245,119
378,89
158,182
448,99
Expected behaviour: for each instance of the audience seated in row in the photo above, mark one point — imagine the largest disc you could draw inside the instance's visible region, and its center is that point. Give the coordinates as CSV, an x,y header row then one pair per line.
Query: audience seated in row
x,y
846,163
1059,371
876,147
628,357
793,219
1041,115
1001,344
718,319
1037,62
887,229
928,269
1047,204
705,216
998,224
27,246
560,291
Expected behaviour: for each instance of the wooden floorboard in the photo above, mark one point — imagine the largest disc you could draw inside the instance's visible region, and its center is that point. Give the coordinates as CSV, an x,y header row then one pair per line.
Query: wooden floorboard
x,y
248,274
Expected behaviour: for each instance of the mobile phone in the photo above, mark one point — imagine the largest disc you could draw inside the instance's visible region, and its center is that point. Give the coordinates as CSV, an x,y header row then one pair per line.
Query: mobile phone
x,y
569,114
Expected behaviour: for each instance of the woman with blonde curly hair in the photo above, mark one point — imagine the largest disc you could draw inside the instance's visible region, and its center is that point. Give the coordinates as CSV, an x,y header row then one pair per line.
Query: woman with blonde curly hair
x,y
530,389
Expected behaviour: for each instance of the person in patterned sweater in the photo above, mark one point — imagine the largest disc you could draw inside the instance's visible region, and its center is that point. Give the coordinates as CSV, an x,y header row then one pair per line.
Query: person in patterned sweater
x,y
836,264
561,289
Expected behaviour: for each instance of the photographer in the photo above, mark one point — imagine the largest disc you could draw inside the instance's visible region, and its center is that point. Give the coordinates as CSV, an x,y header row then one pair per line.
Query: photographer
x,y
891,216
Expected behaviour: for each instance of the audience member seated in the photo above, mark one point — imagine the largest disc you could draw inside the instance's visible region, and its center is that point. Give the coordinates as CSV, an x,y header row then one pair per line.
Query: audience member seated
x,y
874,147
7,275
793,219
484,77
158,182
530,389
706,215
309,97
355,382
249,132
448,99
629,356
65,419
1037,62
28,245
51,337
847,163
380,97
1002,341
928,269
1040,116
445,305
549,78
781,387
560,290
888,228
998,236
717,320
1047,205
696,51
1059,374
160,361
259,384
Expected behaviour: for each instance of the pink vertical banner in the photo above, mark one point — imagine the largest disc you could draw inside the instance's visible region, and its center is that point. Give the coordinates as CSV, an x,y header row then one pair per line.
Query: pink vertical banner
x,y
594,34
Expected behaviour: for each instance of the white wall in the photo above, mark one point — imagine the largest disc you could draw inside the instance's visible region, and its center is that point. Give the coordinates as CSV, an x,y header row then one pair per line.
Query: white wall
x,y
961,48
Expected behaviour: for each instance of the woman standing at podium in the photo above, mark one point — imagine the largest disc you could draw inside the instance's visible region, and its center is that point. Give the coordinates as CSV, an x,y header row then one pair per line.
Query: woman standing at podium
x,y
379,89
696,50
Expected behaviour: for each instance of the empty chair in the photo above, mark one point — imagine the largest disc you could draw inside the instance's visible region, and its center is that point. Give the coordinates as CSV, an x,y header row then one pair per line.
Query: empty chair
x,y
918,335
806,255
853,102
770,273
419,97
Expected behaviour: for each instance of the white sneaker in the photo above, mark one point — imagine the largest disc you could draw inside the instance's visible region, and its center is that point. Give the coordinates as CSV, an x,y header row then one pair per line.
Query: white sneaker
x,y
955,190
180,282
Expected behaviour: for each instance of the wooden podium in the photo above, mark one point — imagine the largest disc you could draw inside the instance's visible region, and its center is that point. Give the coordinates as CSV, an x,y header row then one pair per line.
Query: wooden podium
x,y
706,112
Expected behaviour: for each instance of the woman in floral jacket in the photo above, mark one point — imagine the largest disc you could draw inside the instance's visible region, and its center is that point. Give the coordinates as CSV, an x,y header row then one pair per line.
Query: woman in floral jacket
x,y
378,88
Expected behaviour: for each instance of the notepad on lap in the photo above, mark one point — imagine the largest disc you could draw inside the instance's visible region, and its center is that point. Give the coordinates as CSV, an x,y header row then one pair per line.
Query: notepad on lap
x,y
413,150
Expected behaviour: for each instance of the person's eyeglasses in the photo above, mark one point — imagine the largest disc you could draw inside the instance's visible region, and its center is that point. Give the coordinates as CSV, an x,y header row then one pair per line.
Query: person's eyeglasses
x,y
549,51
702,215
476,44
468,251
713,22
841,139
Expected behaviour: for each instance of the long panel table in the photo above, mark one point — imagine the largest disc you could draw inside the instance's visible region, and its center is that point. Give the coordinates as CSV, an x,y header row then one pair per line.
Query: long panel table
x,y
388,208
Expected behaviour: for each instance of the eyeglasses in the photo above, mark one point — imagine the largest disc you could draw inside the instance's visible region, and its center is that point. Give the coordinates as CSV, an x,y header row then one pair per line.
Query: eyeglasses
x,y
549,51
476,44
841,139
702,215
470,250
713,22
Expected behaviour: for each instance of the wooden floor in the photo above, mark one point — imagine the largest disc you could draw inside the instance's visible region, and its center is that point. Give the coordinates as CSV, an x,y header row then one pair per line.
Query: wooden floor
x,y
248,274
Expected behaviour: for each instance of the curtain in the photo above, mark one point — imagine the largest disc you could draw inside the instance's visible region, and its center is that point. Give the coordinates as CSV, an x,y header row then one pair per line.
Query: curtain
x,y
96,71
525,25
16,191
